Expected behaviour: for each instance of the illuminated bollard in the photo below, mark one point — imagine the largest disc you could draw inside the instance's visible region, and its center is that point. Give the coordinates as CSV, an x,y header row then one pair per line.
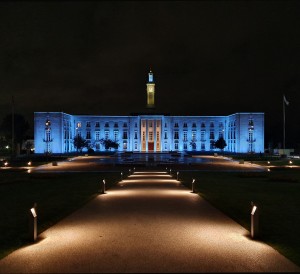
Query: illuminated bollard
x,y
121,176
103,187
32,224
129,171
177,175
170,171
133,169
254,221
193,186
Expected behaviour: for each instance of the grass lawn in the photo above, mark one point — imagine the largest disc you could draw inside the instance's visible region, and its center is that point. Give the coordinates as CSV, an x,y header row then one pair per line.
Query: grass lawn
x,y
275,193
56,195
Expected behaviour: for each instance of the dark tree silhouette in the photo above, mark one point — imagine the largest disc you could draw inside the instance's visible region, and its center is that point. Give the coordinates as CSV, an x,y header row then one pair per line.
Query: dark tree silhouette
x,y
107,143
80,143
220,143
21,126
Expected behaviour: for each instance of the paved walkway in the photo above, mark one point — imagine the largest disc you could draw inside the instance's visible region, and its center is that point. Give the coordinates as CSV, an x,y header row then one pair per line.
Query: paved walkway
x,y
147,223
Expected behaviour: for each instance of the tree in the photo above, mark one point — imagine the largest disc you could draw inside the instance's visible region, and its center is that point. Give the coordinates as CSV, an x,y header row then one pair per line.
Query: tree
x,y
80,143
107,143
220,143
21,126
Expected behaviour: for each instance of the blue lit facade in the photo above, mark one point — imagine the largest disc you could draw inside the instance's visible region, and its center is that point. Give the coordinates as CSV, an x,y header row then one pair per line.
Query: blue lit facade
x,y
243,132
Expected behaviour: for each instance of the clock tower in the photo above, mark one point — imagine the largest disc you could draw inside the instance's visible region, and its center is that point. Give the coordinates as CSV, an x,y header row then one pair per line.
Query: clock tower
x,y
150,91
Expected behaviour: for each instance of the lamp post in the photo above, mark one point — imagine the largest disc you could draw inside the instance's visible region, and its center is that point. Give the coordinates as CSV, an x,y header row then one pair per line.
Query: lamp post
x,y
193,186
32,224
254,221
103,186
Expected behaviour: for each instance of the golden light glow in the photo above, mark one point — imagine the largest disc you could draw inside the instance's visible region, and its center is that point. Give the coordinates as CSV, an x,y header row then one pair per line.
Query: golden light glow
x,y
33,212
253,210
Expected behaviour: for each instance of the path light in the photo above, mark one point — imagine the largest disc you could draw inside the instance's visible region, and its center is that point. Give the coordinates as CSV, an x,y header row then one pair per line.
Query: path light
x,y
254,221
29,163
103,187
121,176
290,162
6,164
268,162
32,224
133,169
177,175
269,170
193,186
170,171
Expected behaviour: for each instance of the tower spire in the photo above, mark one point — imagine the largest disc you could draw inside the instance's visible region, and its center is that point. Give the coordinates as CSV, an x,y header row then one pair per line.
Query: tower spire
x,y
150,90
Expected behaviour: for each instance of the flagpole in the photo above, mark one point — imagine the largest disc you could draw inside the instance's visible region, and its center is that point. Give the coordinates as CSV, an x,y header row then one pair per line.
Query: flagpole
x,y
283,103
12,127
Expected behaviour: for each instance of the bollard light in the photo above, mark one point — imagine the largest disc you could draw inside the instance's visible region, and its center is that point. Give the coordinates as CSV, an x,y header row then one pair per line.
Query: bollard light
x,y
6,164
290,162
129,171
193,186
177,175
170,171
103,187
268,162
133,169
32,224
121,176
254,221
29,163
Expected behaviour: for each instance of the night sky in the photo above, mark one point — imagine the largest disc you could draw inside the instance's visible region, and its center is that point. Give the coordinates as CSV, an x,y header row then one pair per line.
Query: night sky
x,y
208,58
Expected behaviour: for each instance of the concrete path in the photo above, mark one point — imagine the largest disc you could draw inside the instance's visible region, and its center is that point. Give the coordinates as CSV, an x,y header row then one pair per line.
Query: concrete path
x,y
147,223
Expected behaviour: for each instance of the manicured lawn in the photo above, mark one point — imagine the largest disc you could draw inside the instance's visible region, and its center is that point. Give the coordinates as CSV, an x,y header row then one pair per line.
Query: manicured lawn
x,y
56,195
276,194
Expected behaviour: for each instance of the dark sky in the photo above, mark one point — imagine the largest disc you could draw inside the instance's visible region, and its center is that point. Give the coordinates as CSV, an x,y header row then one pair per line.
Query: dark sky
x,y
208,58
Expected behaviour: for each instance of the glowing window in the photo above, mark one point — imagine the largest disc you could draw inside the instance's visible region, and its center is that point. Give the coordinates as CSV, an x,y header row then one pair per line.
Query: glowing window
x,y
78,124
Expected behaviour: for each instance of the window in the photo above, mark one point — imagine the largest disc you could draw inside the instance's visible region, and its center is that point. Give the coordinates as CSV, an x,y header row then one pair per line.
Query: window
x,y
106,134
135,124
184,124
135,134
212,145
135,146
125,135
176,146
143,123
165,124
97,124
157,135
203,125
106,124
176,135
194,125
125,145
211,135
185,146
166,135
125,125
193,136
97,135
221,125
116,134
116,125
88,135
143,136
202,146
185,136
212,124
176,125
150,136
221,134
88,124
157,123
203,135
78,124
150,123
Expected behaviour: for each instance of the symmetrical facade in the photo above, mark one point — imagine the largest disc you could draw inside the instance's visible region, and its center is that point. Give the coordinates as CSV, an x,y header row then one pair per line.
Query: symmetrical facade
x,y
243,132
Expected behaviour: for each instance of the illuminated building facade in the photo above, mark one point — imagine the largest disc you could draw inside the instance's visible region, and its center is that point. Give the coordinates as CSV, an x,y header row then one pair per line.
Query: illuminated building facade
x,y
243,132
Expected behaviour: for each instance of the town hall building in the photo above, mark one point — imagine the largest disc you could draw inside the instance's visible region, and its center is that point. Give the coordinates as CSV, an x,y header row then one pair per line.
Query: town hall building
x,y
54,132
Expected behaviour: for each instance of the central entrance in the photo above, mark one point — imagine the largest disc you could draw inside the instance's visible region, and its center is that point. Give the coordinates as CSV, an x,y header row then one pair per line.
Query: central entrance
x,y
150,134
150,146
